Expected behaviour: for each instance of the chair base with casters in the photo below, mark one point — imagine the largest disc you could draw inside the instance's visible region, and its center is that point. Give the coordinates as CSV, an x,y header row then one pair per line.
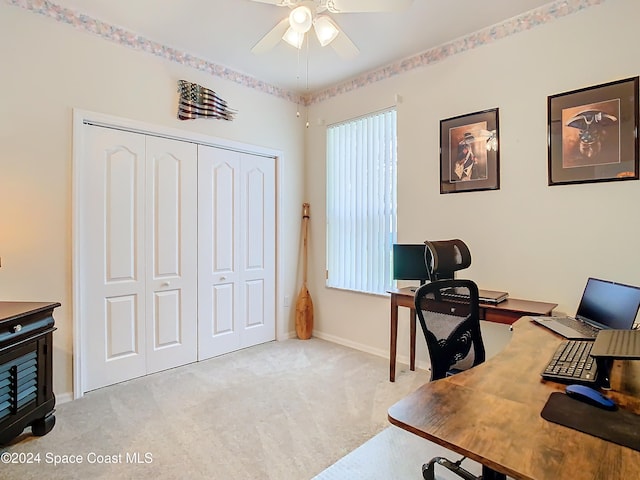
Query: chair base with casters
x,y
428,470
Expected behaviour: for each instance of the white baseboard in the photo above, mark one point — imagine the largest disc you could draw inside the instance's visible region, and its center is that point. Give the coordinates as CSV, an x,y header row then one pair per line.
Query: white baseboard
x,y
287,336
348,343
423,365
63,397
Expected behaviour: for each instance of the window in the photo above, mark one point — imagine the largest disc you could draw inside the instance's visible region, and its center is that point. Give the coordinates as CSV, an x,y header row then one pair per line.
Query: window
x,y
361,202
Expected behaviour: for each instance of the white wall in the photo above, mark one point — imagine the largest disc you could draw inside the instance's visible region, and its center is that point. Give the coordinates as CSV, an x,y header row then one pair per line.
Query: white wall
x,y
535,241
47,69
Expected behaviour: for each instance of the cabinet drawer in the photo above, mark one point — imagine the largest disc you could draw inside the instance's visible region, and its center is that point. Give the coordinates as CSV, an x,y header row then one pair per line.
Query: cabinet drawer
x,y
19,329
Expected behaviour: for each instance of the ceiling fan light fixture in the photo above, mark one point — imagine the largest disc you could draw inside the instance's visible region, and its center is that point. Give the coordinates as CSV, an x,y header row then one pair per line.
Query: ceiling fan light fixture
x,y
301,19
293,38
326,30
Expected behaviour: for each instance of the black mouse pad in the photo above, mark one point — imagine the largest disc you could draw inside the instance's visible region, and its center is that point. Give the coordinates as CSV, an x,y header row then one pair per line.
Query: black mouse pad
x,y
619,426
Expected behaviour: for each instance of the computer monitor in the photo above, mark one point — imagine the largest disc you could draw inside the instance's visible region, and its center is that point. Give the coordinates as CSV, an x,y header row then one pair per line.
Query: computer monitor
x,y
409,262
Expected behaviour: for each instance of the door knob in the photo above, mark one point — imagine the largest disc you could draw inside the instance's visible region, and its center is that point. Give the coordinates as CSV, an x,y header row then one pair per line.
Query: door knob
x,y
223,278
166,284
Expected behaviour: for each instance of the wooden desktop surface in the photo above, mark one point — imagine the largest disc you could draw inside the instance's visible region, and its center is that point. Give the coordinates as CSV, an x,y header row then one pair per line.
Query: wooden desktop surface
x,y
491,414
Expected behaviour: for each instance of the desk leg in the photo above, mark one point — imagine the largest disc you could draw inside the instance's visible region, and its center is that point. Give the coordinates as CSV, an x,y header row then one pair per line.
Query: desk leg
x,y
412,347
488,474
394,338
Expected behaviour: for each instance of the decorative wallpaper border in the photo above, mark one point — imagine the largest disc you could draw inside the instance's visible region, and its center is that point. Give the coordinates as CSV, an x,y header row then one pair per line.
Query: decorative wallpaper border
x,y
137,42
526,21
521,23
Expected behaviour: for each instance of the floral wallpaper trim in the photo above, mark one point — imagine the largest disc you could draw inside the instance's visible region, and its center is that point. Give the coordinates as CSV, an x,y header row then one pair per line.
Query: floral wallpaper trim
x,y
510,27
137,42
121,36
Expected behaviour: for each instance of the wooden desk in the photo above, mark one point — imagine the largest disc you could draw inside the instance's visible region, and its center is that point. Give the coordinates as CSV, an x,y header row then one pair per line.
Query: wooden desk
x,y
504,312
491,414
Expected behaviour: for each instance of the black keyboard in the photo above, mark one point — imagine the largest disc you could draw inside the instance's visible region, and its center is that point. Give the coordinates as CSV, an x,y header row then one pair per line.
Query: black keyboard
x,y
572,363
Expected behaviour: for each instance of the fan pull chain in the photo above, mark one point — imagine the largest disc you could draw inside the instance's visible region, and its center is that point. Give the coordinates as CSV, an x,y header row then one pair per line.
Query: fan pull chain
x,y
298,84
307,87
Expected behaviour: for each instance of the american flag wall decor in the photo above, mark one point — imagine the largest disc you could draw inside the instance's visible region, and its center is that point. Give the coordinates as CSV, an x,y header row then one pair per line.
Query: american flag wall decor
x,y
197,101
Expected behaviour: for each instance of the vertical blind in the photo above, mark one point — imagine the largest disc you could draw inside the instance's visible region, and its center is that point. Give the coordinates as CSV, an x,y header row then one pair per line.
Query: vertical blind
x,y
361,202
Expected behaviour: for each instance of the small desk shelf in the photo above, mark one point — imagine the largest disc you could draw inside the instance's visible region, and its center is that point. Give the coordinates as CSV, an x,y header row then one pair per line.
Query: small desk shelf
x,y
506,312
26,348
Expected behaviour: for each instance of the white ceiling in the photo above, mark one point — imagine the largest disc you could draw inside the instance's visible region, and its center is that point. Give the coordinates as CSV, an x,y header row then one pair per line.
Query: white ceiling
x,y
224,31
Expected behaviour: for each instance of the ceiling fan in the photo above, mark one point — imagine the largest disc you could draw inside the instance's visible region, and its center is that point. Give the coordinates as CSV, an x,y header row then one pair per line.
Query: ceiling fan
x,y
306,14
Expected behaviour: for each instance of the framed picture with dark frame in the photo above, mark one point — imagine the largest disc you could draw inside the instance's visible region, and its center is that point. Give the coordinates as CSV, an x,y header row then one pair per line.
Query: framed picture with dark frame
x,y
469,156
592,134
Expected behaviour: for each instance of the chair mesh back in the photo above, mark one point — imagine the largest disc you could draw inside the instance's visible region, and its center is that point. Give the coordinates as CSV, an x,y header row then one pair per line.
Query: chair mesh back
x,y
448,311
441,326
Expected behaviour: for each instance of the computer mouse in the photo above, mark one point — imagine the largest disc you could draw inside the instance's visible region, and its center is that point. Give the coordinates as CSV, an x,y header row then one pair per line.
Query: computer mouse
x,y
589,395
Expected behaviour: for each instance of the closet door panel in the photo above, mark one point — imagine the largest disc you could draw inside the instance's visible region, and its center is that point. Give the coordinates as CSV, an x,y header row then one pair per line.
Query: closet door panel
x,y
222,318
171,246
219,300
112,252
222,179
120,202
121,333
257,274
167,316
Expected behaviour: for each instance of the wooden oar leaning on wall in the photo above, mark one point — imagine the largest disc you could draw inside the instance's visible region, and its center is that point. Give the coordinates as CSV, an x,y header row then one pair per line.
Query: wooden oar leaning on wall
x,y
304,305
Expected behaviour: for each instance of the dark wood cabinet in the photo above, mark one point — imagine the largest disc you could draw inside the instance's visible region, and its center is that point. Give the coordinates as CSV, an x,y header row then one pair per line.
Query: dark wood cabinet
x,y
26,350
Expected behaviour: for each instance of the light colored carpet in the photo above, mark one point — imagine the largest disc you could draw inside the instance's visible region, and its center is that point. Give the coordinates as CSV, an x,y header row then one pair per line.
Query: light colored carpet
x,y
282,410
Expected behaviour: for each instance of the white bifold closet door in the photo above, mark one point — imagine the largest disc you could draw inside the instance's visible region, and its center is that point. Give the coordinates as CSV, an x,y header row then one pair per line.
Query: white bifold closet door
x,y
139,255
236,250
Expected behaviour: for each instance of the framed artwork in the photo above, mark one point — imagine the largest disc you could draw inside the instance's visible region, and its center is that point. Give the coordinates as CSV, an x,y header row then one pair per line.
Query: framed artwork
x,y
593,134
469,156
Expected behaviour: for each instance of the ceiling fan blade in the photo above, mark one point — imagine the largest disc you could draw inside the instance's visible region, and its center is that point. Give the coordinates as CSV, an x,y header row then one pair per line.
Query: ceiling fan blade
x,y
361,6
272,2
272,38
344,46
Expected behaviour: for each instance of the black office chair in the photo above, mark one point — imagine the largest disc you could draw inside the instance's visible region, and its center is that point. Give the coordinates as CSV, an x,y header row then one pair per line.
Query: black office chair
x,y
450,331
451,328
448,311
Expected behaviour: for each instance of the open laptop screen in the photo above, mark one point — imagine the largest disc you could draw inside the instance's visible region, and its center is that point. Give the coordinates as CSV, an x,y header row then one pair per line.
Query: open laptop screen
x,y
610,304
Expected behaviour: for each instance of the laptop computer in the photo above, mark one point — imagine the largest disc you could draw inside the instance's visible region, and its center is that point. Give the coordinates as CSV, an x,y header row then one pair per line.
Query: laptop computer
x,y
604,305
485,296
